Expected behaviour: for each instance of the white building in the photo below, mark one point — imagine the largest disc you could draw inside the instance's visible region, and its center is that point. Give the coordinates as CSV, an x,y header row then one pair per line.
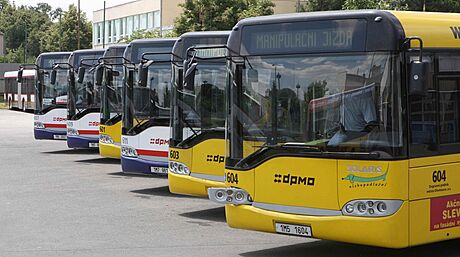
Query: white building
x,y
122,20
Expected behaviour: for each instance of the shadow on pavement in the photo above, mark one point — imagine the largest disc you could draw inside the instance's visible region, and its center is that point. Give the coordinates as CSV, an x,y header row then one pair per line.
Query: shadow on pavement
x,y
74,151
100,161
214,214
159,191
335,249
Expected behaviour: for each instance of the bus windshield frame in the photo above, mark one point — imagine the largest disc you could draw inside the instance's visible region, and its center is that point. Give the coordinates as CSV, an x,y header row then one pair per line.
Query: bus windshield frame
x,y
112,92
330,105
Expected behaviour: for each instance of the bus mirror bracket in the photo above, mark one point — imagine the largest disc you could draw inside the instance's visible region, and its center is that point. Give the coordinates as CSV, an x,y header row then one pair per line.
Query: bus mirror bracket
x,y
99,75
81,74
142,75
19,77
419,71
53,77
189,76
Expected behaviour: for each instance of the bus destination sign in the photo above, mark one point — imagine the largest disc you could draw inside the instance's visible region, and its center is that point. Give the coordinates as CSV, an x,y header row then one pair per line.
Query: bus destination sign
x,y
305,37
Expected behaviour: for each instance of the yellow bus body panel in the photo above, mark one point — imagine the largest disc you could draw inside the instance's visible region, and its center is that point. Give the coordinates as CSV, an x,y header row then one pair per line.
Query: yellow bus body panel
x,y
111,150
204,158
434,28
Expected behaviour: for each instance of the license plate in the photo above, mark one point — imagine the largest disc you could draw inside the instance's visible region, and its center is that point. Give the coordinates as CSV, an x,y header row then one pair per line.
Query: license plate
x,y
291,229
93,144
60,136
159,170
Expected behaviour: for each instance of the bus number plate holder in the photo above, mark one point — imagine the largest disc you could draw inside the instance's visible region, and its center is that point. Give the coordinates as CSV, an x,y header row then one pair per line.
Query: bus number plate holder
x,y
159,170
93,145
62,137
292,229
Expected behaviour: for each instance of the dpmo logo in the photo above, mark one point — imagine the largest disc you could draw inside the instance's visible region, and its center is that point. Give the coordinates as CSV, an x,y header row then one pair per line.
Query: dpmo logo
x,y
159,141
93,123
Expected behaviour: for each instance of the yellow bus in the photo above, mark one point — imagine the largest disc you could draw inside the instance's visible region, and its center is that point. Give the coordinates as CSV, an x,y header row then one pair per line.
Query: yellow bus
x,y
197,145
110,77
345,126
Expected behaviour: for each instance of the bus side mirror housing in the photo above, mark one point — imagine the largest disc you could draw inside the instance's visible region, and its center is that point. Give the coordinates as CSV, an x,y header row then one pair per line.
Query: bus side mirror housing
x,y
53,77
418,78
81,74
19,77
253,75
189,76
99,75
142,75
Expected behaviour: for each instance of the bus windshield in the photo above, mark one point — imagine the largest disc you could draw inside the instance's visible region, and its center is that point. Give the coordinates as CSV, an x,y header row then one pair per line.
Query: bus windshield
x,y
52,94
111,107
149,106
85,95
201,105
329,103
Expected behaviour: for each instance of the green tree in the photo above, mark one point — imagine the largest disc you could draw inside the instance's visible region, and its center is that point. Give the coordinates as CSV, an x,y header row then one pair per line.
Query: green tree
x,y
321,5
206,15
140,34
375,4
65,32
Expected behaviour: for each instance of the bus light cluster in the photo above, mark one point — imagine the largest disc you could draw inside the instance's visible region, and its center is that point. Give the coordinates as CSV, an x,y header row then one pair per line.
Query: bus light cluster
x,y
72,132
105,139
39,125
128,151
178,168
371,208
229,196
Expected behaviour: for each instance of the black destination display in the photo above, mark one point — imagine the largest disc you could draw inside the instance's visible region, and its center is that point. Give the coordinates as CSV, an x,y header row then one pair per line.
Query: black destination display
x,y
305,37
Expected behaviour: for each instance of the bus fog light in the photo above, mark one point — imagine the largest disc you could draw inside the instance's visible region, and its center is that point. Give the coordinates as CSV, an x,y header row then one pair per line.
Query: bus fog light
x,y
381,207
39,125
128,151
229,196
106,139
178,168
371,208
349,208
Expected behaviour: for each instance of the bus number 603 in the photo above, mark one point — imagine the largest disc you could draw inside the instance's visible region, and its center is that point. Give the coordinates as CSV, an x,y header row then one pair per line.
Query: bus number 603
x,y
174,154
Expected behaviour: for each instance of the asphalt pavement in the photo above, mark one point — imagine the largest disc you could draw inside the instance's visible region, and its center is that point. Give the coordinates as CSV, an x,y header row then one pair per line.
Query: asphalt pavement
x,y
56,201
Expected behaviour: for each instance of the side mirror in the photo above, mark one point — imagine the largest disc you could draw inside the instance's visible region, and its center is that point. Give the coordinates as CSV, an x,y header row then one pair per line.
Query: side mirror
x,y
419,78
253,75
99,75
53,77
81,74
189,76
19,77
142,75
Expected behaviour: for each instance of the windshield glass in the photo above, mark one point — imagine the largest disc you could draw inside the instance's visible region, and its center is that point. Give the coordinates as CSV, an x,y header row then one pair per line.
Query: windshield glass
x,y
85,95
49,95
201,104
111,107
148,106
336,103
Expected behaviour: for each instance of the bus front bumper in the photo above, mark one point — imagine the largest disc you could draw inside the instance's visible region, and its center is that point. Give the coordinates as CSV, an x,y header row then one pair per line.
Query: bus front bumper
x,y
140,166
82,142
109,150
50,134
390,232
189,185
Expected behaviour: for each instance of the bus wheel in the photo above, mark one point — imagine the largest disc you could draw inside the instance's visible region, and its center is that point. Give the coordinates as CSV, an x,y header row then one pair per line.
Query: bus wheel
x,y
23,105
9,103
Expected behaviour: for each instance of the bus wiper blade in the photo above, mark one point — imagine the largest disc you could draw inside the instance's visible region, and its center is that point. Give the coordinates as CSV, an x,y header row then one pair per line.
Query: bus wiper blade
x,y
302,146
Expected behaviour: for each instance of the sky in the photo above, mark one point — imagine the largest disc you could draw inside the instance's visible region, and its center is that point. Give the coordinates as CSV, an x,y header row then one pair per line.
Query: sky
x,y
87,6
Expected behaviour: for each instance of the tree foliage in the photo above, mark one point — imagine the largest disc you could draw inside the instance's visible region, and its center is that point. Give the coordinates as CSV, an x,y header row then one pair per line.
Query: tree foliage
x,y
36,29
411,5
140,34
321,5
206,15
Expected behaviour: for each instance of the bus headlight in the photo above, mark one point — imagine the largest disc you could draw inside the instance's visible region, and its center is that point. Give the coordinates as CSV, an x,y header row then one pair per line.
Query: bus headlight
x,y
178,168
39,125
105,139
371,208
229,196
72,132
128,151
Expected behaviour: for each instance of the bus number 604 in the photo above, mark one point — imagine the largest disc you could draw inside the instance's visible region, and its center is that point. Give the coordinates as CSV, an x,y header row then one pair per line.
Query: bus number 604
x,y
439,175
232,178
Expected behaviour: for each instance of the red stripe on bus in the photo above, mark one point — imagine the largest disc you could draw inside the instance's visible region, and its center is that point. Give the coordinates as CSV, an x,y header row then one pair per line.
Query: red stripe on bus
x,y
88,132
152,153
55,125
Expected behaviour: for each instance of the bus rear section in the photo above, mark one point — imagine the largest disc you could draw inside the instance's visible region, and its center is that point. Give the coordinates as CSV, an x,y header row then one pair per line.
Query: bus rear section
x,y
50,99
84,100
20,95
333,128
146,106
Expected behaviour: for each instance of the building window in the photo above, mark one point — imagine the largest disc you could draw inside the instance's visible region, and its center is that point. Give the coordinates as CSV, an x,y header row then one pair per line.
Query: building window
x,y
136,23
109,31
130,25
150,20
156,19
143,21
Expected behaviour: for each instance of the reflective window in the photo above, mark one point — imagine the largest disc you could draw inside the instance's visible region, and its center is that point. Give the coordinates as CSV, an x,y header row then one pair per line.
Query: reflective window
x,y
449,110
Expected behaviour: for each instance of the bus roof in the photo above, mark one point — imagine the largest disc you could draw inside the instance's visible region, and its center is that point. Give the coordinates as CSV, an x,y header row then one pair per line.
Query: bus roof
x,y
191,39
136,48
114,51
78,55
14,74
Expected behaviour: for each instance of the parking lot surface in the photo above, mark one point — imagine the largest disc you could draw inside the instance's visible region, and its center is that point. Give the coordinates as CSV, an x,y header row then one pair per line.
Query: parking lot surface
x,y
56,201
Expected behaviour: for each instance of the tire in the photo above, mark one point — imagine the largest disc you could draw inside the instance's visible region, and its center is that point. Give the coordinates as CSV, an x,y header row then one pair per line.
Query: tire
x,y
10,105
23,105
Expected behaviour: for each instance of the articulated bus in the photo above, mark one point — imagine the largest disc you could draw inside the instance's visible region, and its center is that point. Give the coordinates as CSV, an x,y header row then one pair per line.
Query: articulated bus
x,y
50,99
146,108
84,101
20,95
197,148
345,126
111,103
